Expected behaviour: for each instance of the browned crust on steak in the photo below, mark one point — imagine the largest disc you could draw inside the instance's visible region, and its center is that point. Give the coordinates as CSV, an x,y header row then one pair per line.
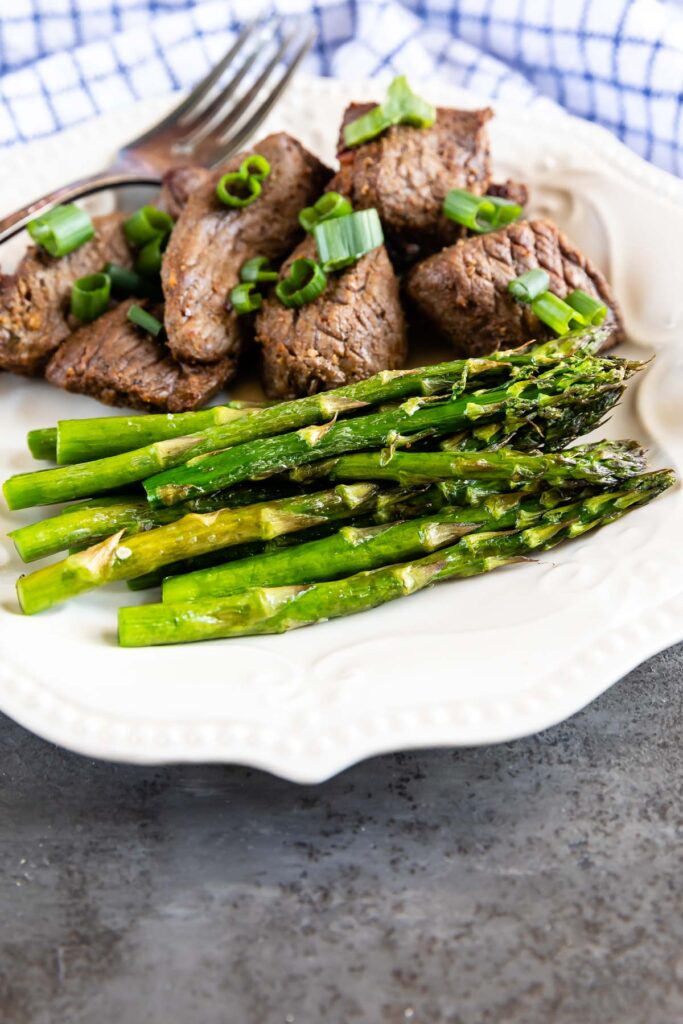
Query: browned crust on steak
x,y
406,172
177,185
118,363
354,329
515,191
34,301
211,241
462,291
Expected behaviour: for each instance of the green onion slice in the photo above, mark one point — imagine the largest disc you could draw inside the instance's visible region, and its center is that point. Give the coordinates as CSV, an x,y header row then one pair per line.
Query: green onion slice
x,y
62,229
90,296
255,166
329,206
244,298
592,310
342,241
306,281
149,258
236,190
147,224
125,282
556,313
141,318
401,106
257,269
530,285
479,213
243,187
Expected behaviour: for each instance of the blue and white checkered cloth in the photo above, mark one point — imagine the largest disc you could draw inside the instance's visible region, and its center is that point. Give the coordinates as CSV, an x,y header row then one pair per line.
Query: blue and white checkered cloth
x,y
617,62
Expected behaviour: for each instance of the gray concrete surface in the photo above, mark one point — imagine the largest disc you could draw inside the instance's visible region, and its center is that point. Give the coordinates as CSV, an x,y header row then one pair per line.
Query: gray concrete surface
x,y
538,881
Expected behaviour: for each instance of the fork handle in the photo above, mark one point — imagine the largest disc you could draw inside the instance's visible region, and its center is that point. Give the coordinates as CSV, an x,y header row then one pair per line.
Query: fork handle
x,y
13,224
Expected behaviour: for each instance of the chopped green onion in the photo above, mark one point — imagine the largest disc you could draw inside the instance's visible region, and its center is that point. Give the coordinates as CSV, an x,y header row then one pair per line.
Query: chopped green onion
x,y
328,207
479,213
592,310
147,224
244,298
554,312
235,190
342,241
257,269
149,258
243,187
90,296
530,285
401,106
62,229
141,318
125,282
306,281
255,166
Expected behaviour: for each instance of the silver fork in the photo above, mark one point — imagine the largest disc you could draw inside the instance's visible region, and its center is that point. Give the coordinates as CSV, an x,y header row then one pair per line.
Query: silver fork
x,y
210,124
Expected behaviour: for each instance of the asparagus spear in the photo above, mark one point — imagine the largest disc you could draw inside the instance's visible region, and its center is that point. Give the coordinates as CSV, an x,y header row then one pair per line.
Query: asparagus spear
x,y
353,549
123,559
389,508
79,526
278,609
100,475
604,463
84,440
513,403
42,444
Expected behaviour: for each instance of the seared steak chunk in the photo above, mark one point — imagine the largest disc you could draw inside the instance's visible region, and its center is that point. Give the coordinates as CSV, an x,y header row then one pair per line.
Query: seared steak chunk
x,y
210,241
354,329
177,185
406,172
113,360
34,301
463,290
515,191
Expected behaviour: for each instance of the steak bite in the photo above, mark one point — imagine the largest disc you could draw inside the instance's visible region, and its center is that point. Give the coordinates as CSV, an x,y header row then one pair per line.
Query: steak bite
x,y
406,173
462,291
34,301
354,329
118,363
210,241
178,184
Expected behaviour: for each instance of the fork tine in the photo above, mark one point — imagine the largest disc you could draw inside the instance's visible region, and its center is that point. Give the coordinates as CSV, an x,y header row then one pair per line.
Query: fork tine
x,y
234,141
201,124
238,108
202,89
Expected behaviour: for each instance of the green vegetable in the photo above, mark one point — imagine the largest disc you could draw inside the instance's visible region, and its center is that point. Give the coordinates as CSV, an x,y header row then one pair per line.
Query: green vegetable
x,y
147,224
530,285
342,241
401,106
278,609
304,283
328,207
479,213
243,187
244,298
513,404
90,296
62,229
141,318
257,270
105,474
119,558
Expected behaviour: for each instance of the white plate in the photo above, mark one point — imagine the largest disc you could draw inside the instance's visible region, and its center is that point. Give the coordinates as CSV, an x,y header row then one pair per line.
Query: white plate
x,y
474,662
